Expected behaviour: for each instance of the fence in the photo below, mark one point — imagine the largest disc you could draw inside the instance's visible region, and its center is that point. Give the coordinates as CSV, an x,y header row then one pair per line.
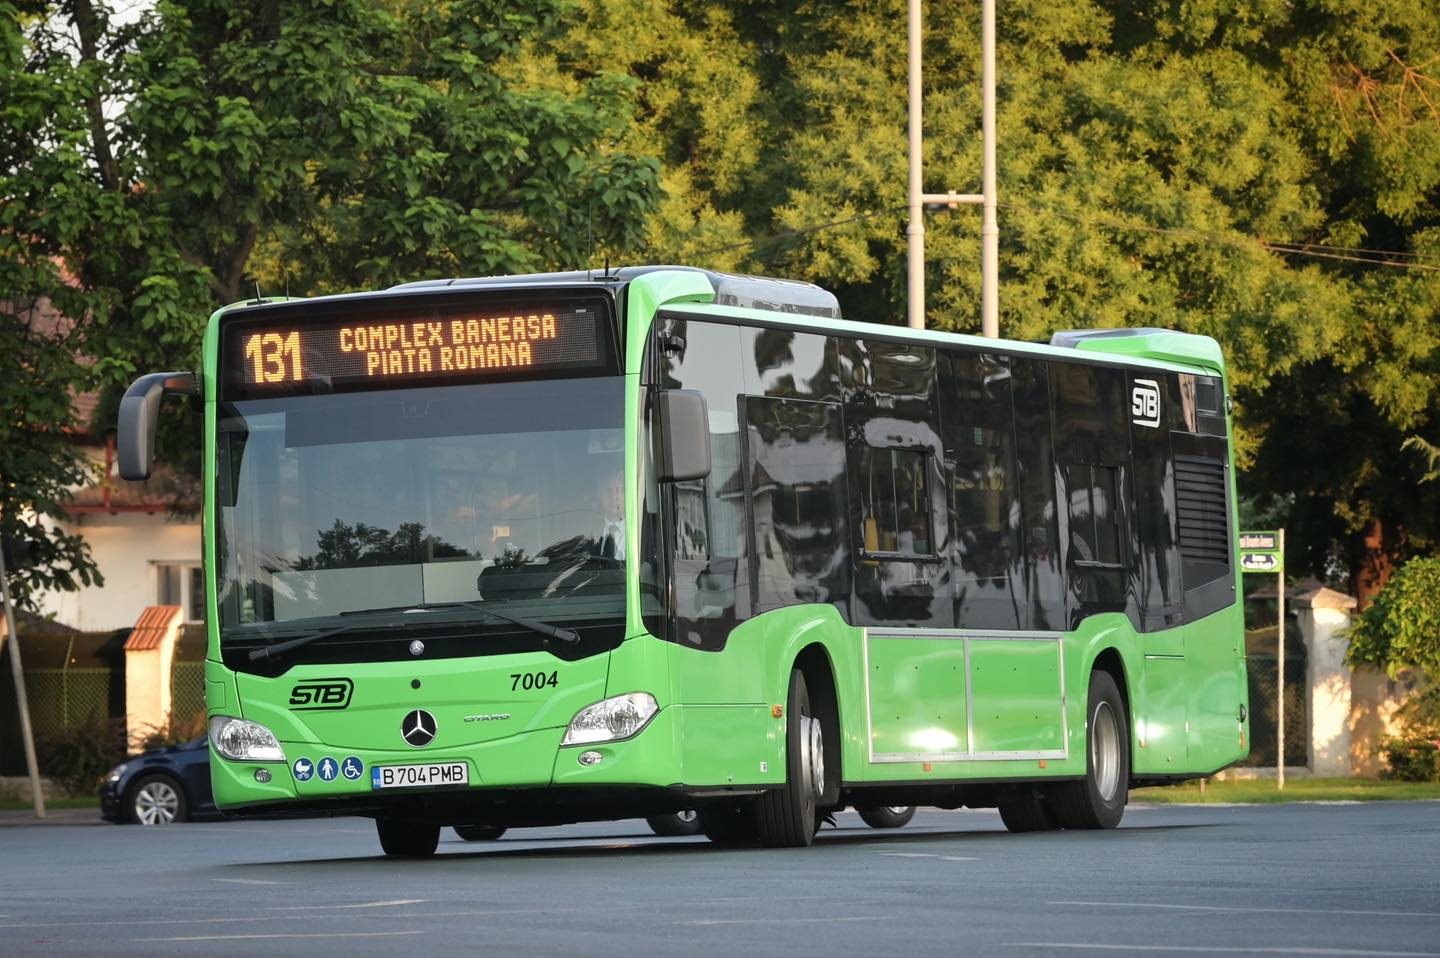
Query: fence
x,y
59,699
1264,681
187,696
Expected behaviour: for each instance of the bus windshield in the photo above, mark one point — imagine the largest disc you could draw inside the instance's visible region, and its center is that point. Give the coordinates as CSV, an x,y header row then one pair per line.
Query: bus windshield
x,y
332,505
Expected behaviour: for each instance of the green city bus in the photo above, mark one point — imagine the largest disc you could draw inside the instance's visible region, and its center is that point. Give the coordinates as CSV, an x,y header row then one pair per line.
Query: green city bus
x,y
594,545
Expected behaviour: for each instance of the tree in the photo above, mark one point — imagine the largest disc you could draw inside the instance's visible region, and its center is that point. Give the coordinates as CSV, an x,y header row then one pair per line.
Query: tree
x,y
149,171
1185,165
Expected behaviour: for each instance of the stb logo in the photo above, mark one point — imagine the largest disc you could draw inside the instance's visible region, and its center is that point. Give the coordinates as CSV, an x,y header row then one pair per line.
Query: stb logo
x,y
319,694
1145,403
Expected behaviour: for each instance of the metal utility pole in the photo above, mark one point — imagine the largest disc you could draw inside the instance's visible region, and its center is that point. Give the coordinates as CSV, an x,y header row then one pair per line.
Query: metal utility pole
x,y
1280,674
20,701
990,229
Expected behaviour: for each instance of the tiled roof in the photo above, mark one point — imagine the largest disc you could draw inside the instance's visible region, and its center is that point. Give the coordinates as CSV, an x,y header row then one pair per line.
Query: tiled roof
x,y
151,627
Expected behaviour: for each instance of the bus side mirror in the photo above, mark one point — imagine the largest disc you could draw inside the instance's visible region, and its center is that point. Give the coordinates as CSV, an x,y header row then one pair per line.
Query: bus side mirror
x,y
684,451
139,412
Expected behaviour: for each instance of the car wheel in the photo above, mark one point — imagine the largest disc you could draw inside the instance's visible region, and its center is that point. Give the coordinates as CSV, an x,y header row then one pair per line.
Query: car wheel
x,y
479,833
886,816
676,823
402,838
156,800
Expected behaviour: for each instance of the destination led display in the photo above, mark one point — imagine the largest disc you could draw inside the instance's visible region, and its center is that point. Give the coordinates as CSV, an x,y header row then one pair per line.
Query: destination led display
x,y
444,344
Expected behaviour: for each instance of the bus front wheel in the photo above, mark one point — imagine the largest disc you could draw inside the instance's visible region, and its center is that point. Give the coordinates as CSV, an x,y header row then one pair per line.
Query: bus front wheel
x,y
1098,801
787,815
401,838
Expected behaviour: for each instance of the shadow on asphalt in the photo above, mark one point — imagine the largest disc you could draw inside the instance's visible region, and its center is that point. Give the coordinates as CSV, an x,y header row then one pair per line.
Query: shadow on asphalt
x,y
645,844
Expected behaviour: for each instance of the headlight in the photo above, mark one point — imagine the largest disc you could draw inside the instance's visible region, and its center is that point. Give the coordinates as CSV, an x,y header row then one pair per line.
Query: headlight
x,y
611,720
243,741
117,771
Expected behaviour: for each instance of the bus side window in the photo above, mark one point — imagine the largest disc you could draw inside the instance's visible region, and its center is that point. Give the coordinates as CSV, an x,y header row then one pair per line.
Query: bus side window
x,y
710,564
1092,448
796,491
985,516
1044,590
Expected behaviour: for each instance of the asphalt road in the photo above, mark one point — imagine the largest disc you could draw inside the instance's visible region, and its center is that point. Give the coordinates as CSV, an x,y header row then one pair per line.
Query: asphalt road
x,y
1343,879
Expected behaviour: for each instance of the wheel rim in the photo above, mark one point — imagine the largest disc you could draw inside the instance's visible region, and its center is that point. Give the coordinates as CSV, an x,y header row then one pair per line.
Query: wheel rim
x,y
812,755
897,809
687,816
156,803
1105,751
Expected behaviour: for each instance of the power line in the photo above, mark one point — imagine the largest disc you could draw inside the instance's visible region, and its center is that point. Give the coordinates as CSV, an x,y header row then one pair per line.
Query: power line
x,y
1394,259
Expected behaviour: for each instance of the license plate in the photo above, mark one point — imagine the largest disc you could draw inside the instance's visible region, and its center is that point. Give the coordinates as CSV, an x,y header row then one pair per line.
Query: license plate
x,y
417,776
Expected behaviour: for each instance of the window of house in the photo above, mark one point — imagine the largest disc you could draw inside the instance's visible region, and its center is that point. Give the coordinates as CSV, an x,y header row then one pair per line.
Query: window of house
x,y
895,503
182,584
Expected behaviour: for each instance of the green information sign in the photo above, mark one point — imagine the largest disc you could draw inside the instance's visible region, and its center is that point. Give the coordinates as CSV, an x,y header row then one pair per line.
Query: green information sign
x,y
1260,552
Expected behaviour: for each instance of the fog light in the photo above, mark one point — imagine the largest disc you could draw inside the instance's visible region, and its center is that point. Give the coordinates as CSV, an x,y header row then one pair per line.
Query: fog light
x,y
262,775
591,758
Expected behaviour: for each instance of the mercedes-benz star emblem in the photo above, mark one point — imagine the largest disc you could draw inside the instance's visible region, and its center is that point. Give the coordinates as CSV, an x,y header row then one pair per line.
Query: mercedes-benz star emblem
x,y
418,728
417,647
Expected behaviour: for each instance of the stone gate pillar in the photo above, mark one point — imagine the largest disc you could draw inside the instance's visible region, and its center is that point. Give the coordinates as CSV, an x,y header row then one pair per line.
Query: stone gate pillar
x,y
149,656
1324,618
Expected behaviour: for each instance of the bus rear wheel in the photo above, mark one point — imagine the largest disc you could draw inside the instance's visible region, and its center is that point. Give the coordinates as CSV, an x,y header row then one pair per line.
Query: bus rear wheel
x,y
402,838
787,815
1098,801
886,816
730,823
1029,813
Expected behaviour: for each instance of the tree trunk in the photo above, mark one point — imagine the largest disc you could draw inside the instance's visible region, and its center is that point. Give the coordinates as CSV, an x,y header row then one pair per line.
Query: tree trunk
x,y
1372,559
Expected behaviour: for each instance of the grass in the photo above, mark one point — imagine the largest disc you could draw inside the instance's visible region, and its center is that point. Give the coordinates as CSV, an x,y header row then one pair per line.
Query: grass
x,y
1296,790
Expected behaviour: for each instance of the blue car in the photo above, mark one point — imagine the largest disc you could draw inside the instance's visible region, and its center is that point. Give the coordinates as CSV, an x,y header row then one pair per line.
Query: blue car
x,y
162,786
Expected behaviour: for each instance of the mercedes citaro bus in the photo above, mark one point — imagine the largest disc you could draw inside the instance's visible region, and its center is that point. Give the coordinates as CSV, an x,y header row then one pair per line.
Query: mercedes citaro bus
x,y
576,546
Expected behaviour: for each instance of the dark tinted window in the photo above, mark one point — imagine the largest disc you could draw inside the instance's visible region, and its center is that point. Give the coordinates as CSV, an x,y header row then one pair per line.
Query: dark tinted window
x,y
894,498
986,517
797,502
1030,392
711,566
1092,492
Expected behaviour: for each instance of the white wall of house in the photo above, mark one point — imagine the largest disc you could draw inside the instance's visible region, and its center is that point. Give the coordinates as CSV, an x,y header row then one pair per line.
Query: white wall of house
x,y
130,549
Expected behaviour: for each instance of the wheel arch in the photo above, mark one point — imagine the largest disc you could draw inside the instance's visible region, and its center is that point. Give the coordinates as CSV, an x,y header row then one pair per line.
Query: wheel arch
x,y
1110,661
814,663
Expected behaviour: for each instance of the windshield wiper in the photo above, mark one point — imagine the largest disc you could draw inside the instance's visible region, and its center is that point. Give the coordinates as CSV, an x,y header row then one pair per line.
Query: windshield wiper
x,y
269,650
568,636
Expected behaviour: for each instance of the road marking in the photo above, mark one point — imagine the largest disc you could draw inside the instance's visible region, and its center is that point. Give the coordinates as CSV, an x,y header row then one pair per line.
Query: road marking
x,y
366,904
1251,909
781,921
236,881
909,854
1214,950
337,934
957,858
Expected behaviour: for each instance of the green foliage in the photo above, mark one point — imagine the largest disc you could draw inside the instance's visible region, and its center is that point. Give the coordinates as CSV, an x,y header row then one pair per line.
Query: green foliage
x,y
78,757
149,172
1401,628
1412,759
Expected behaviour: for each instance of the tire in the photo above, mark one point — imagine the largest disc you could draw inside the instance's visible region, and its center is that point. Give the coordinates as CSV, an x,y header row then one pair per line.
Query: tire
x,y
406,839
1099,801
787,815
156,800
479,833
1029,813
676,823
886,816
730,824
